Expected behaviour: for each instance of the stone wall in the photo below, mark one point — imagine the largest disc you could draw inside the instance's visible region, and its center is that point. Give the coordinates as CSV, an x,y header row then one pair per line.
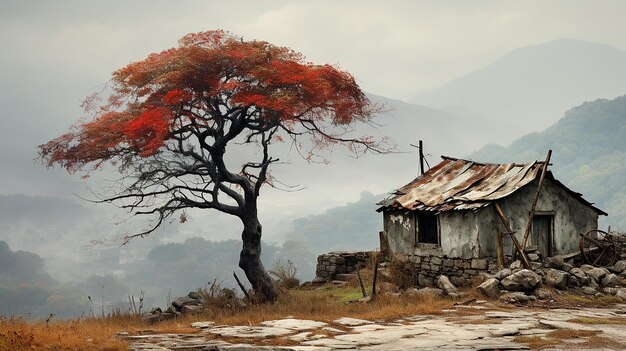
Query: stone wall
x,y
460,271
340,262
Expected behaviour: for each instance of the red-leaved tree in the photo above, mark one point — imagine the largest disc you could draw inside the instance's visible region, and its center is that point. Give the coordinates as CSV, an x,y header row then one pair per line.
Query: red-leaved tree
x,y
170,118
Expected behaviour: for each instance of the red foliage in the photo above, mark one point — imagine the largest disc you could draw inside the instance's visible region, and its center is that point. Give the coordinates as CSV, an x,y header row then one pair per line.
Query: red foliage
x,y
154,97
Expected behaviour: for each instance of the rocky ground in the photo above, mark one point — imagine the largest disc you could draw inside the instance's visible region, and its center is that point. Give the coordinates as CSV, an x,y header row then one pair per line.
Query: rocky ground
x,y
477,326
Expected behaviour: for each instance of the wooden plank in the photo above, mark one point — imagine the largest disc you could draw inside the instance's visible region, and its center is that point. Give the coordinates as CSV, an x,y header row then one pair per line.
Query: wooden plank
x,y
531,214
507,226
500,250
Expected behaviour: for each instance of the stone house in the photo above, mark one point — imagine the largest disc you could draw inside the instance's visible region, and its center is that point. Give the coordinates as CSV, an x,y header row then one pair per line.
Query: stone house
x,y
445,221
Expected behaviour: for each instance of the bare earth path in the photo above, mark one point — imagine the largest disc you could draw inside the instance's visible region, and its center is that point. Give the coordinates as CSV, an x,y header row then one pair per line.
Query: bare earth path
x,y
476,327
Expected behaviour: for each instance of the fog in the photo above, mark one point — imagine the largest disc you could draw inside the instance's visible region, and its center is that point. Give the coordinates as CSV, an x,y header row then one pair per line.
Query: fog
x,y
458,75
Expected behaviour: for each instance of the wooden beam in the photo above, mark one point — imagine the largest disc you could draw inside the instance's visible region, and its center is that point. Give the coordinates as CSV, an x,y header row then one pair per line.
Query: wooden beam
x,y
507,226
500,250
531,214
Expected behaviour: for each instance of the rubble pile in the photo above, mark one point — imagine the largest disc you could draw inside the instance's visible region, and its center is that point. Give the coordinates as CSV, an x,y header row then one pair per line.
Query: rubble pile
x,y
192,303
518,285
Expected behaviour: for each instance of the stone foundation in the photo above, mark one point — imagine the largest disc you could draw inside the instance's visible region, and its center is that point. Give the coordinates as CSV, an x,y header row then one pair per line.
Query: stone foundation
x,y
460,271
340,262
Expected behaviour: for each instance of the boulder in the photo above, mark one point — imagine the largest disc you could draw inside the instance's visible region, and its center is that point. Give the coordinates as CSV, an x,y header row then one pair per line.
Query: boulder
x,y
444,284
412,292
543,294
182,301
533,257
556,262
589,290
556,278
517,264
523,280
195,295
490,288
503,274
516,297
577,277
618,267
597,273
621,293
611,279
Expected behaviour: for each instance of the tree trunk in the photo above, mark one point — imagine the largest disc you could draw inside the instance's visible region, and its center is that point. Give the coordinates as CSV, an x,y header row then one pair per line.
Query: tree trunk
x,y
250,259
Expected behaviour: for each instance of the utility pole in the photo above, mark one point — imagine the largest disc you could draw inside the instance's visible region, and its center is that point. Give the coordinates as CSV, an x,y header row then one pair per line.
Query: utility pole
x,y
420,148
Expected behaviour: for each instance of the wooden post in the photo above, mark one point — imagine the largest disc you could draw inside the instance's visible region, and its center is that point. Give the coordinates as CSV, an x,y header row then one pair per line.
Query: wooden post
x,y
375,277
507,226
421,151
531,214
358,274
241,286
500,250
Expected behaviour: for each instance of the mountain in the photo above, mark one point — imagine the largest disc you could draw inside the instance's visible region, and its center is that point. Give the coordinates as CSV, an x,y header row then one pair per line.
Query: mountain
x,y
530,87
589,150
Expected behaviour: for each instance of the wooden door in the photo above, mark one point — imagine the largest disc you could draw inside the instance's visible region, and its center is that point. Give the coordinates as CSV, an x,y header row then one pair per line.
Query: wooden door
x,y
541,234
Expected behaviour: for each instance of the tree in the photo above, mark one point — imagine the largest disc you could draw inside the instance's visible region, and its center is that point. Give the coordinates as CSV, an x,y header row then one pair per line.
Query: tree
x,y
170,118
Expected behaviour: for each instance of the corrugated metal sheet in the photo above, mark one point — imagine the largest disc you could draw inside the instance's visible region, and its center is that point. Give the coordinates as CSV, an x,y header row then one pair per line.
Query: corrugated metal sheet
x,y
456,184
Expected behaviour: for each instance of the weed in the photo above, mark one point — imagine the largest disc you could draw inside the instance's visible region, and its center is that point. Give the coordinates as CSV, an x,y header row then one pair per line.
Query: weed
x,y
285,274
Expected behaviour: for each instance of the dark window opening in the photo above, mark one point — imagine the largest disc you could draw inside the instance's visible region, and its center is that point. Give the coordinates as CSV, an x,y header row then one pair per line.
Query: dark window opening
x,y
427,231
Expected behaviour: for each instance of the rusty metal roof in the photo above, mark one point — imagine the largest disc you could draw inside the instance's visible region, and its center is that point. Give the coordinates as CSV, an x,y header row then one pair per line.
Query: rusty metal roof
x,y
456,184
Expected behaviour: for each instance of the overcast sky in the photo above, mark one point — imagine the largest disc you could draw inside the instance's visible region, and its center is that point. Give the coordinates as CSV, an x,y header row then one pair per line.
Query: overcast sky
x,y
56,52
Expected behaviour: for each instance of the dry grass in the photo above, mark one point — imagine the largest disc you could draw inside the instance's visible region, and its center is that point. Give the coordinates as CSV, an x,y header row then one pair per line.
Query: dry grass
x,y
567,299
589,320
536,342
325,304
328,304
83,334
591,340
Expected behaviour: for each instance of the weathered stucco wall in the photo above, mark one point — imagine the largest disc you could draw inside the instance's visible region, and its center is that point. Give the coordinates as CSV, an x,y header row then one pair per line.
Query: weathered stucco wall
x,y
400,229
571,217
459,234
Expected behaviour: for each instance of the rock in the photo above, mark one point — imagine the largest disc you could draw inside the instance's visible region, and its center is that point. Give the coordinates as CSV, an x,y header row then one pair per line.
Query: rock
x,y
504,331
424,281
523,280
412,292
202,325
610,291
182,301
444,284
516,297
533,257
597,273
577,277
556,278
490,288
592,283
503,274
195,295
587,290
618,267
621,293
517,264
480,278
543,294
611,279
535,266
556,262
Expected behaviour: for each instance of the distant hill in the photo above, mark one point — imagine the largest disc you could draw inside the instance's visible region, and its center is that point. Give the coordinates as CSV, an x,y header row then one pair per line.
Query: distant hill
x,y
589,154
530,87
